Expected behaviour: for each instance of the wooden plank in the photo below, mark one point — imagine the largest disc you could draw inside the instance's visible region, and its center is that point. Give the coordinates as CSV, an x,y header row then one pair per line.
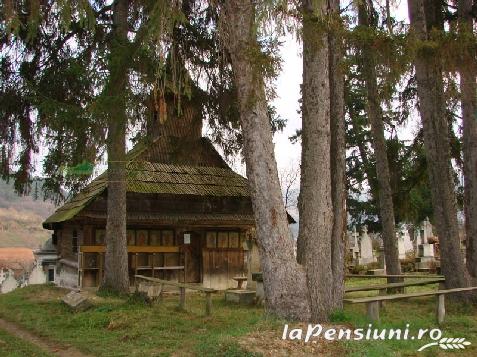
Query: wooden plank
x,y
418,276
221,271
236,267
131,249
87,234
171,260
406,296
153,249
206,267
173,283
393,285
92,249
179,267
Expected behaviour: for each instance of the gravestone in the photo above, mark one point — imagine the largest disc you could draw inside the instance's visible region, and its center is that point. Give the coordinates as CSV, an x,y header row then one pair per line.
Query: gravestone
x,y
401,248
353,245
408,245
366,248
425,250
427,229
7,281
405,244
76,301
150,290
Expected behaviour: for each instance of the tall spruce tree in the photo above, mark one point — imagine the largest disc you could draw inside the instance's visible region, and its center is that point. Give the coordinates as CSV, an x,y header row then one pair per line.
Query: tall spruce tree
x,y
468,89
374,112
315,201
426,16
90,61
116,274
337,152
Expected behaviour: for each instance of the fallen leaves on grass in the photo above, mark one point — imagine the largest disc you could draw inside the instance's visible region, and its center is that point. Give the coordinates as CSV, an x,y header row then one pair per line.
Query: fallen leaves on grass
x,y
270,343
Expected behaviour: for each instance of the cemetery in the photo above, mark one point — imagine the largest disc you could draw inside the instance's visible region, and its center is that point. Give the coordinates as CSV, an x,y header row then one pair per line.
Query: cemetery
x,y
422,251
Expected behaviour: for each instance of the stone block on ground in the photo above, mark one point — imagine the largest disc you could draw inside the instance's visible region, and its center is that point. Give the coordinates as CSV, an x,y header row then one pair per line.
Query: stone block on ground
x,y
77,301
375,272
243,297
151,290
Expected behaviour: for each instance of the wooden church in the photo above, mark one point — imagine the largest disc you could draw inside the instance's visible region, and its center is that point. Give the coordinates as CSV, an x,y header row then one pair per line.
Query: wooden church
x,y
189,215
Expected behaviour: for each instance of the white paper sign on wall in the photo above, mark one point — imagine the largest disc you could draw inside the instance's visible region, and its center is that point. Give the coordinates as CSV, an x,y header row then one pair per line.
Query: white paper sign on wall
x,y
187,238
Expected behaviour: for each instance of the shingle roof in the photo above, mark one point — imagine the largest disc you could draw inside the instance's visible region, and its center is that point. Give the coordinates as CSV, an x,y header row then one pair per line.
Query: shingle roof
x,y
152,177
148,177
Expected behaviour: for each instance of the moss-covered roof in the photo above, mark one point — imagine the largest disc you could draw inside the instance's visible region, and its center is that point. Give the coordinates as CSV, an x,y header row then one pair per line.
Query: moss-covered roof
x,y
152,177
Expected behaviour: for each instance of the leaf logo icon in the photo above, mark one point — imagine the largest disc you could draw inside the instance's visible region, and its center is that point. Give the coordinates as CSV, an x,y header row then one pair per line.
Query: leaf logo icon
x,y
448,343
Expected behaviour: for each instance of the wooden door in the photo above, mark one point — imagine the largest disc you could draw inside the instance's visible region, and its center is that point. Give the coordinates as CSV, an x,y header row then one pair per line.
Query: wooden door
x,y
193,258
221,265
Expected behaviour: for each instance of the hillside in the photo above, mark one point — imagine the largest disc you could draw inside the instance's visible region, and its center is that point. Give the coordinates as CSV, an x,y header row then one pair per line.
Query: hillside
x,y
21,218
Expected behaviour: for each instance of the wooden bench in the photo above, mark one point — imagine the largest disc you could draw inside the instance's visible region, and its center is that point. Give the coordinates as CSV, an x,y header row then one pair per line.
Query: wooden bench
x,y
372,303
417,276
182,287
139,269
383,287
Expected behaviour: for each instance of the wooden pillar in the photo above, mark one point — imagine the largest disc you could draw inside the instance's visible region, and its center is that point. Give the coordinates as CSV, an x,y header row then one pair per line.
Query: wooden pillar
x,y
208,303
441,308
100,271
80,270
373,310
182,298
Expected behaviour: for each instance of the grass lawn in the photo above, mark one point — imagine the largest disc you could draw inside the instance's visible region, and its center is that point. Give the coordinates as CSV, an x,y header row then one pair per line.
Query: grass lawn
x,y
11,346
119,327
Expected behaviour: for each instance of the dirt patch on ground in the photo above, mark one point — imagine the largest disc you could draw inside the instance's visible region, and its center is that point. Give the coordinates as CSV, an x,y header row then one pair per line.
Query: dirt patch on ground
x,y
46,345
270,343
47,295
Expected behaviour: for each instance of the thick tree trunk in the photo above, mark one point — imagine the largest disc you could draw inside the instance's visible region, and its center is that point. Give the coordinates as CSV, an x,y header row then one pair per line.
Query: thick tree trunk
x,y
315,205
284,279
338,159
375,117
468,87
116,276
423,15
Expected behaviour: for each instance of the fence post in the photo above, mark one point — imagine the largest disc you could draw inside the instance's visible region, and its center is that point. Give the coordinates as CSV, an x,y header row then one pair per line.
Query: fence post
x,y
208,303
441,308
182,298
